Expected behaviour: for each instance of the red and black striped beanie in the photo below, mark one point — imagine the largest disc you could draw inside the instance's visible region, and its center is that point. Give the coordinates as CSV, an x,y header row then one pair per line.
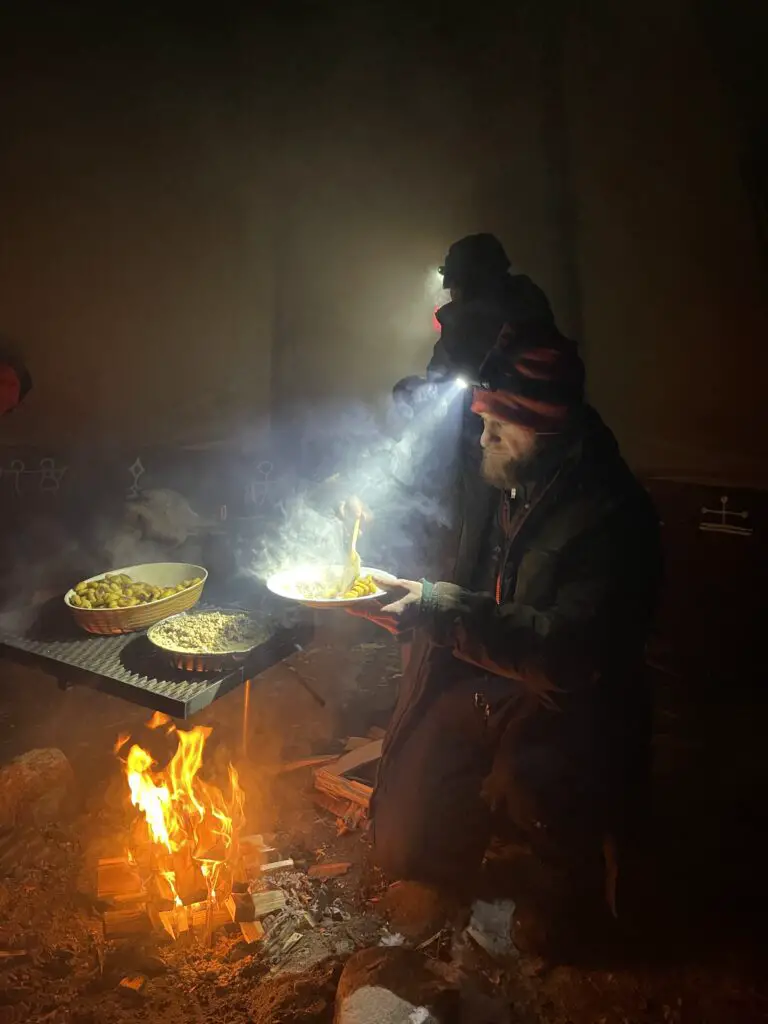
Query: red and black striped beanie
x,y
535,378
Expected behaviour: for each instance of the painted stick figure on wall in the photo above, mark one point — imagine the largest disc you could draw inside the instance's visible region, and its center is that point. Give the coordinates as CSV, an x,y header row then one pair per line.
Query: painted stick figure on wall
x,y
258,491
137,471
50,476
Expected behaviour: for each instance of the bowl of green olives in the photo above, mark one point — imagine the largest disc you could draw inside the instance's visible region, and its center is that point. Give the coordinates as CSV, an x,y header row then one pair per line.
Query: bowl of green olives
x,y
130,599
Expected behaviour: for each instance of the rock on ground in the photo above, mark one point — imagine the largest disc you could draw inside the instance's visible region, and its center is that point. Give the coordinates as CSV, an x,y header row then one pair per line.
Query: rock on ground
x,y
34,787
394,986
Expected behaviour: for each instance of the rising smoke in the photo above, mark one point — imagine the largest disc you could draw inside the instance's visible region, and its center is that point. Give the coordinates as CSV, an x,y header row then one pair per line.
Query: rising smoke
x,y
401,472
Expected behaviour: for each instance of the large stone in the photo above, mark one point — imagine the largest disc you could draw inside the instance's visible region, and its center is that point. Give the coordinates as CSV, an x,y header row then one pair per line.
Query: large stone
x,y
417,911
491,926
395,986
35,787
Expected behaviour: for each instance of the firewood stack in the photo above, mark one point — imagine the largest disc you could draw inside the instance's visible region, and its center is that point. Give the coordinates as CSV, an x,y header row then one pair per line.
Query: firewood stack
x,y
347,798
142,901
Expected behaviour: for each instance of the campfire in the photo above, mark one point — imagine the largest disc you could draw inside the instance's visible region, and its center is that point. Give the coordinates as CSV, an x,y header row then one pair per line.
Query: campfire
x,y
187,867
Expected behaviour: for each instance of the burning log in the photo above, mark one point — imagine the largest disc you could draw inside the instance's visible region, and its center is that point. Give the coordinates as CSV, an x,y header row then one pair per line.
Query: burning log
x,y
120,924
174,921
168,921
205,916
187,861
119,881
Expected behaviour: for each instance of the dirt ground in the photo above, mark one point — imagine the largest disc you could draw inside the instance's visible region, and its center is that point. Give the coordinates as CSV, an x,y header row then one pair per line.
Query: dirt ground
x,y
691,949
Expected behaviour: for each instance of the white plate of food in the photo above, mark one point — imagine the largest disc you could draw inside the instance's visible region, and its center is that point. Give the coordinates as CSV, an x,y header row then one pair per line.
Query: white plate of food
x,y
318,586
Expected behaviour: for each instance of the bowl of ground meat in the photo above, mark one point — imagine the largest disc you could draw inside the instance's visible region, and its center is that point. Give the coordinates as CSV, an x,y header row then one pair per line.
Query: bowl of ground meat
x,y
208,640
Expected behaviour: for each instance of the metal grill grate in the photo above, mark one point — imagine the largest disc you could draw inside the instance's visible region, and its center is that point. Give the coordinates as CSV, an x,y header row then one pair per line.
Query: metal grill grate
x,y
130,667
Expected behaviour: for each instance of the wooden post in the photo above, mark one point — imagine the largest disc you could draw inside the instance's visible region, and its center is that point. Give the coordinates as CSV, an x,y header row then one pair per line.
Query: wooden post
x,y
246,710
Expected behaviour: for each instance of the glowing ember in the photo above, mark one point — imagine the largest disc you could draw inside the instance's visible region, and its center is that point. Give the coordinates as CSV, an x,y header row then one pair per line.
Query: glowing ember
x,y
191,825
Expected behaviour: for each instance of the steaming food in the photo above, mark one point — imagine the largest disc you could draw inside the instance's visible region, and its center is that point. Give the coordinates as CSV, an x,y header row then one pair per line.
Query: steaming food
x,y
362,586
208,633
118,590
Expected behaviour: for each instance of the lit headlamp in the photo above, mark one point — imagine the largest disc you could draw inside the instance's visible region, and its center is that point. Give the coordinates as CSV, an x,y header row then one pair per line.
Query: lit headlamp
x,y
494,374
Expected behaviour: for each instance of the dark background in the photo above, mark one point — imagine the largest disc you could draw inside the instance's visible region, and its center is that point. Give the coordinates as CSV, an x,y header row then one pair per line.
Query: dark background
x,y
218,235
207,217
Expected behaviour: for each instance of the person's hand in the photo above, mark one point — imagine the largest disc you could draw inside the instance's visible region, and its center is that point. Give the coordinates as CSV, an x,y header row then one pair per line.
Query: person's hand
x,y
395,616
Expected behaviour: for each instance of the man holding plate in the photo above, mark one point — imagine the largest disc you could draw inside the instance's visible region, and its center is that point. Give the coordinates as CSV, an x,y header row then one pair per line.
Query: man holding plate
x,y
524,710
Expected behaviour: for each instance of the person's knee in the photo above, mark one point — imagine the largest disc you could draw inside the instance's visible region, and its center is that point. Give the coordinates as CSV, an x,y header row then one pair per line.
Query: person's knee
x,y
430,838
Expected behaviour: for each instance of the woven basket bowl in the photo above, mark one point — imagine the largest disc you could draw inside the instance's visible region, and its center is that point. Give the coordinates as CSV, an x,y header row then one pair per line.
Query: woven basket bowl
x,y
114,621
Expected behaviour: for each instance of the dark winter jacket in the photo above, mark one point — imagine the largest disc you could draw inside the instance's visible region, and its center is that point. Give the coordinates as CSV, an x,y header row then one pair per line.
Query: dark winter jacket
x,y
557,632
469,329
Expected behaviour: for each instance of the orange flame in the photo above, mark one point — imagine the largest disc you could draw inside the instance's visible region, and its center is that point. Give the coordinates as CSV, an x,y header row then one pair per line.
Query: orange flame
x,y
184,813
120,742
157,719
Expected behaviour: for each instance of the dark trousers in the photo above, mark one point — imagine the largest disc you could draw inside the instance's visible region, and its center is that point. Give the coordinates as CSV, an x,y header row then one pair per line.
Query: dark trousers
x,y
468,764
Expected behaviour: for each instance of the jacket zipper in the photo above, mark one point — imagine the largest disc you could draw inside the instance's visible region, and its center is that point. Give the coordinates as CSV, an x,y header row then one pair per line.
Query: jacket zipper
x,y
508,521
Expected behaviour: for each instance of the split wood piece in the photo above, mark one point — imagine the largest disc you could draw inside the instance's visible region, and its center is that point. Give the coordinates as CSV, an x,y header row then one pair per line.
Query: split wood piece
x,y
117,879
338,807
250,906
342,789
162,889
154,911
168,921
377,733
348,815
277,865
174,921
303,762
199,918
133,984
257,839
356,741
252,931
255,849
329,870
356,758
119,924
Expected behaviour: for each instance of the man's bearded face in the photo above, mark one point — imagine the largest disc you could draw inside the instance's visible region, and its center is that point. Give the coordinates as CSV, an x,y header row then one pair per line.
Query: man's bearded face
x,y
507,450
